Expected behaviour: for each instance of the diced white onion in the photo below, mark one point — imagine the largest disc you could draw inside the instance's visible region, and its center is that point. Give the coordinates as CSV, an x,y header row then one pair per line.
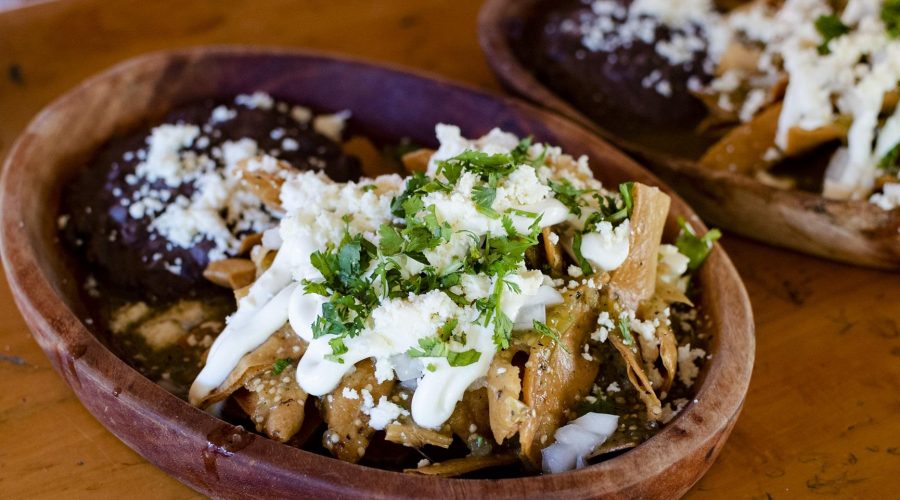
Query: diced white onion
x,y
558,457
576,440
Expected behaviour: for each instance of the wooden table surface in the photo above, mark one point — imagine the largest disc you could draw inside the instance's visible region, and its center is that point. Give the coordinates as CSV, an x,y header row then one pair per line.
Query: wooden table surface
x,y
823,413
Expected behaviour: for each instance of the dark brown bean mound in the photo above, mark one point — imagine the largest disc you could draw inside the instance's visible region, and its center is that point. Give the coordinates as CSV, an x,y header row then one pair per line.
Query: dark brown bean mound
x,y
608,87
122,251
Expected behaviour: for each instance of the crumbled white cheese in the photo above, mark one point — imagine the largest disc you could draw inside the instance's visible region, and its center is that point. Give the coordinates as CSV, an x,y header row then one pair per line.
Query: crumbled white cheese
x,y
331,126
383,413
255,100
691,25
222,114
301,114
850,80
687,367
889,198
163,159
574,271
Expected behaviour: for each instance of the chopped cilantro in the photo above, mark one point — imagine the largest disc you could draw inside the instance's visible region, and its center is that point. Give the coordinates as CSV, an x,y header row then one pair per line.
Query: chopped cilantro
x,y
625,328
478,162
391,241
582,262
445,331
484,196
830,27
610,209
433,347
568,195
625,190
337,349
429,347
544,330
464,358
890,162
519,154
890,14
693,247
357,274
351,296
280,365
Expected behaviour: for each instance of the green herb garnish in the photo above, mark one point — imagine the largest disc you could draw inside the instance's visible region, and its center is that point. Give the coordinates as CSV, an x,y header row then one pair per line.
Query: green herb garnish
x,y
546,331
582,262
625,328
830,27
568,195
890,162
693,247
357,274
890,14
433,347
280,365
484,196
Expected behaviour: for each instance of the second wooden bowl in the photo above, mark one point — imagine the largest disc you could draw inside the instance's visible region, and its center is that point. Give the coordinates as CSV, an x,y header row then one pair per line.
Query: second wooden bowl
x,y
222,460
856,232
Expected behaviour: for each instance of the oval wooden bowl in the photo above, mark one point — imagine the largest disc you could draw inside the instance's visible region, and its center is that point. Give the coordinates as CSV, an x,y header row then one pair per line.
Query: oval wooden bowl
x,y
856,232
219,459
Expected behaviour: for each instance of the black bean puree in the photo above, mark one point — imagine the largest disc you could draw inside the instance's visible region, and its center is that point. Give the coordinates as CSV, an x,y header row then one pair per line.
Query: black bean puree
x,y
607,86
121,251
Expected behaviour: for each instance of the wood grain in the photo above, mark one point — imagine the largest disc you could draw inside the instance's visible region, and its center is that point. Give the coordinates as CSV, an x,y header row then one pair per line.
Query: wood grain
x,y
821,416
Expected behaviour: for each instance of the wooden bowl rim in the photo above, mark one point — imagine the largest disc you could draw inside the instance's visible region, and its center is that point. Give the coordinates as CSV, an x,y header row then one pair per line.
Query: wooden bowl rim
x,y
513,74
45,311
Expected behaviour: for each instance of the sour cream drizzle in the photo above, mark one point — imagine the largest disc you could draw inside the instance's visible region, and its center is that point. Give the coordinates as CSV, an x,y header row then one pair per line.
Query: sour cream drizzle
x,y
395,325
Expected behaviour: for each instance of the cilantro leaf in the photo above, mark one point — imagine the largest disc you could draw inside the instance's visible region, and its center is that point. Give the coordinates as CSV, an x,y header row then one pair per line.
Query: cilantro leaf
x,y
447,328
391,241
502,329
830,27
890,162
625,328
693,247
433,347
625,190
890,14
582,262
463,358
337,349
568,195
478,162
429,347
519,154
484,196
546,331
280,365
